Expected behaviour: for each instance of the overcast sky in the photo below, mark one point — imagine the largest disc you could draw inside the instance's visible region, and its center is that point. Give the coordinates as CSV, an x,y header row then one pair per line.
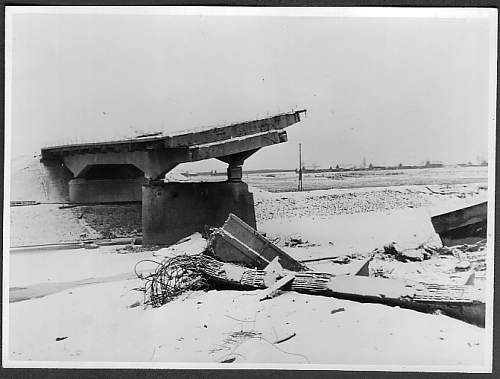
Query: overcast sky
x,y
388,89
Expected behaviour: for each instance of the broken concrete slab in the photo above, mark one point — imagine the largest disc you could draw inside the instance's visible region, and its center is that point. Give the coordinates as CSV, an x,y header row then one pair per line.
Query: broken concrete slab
x,y
229,249
463,225
238,242
463,302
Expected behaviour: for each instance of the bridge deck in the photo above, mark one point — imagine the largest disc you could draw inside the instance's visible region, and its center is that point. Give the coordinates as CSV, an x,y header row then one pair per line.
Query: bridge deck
x,y
178,141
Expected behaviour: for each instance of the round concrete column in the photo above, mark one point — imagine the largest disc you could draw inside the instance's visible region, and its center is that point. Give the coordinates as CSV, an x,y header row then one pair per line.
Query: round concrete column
x,y
235,172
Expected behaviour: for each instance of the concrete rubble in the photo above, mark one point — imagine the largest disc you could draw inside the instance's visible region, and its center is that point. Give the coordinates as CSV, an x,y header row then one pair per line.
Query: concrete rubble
x,y
409,254
238,242
237,256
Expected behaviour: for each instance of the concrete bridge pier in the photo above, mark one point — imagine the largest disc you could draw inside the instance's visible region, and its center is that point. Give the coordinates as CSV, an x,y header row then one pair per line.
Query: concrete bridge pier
x,y
171,211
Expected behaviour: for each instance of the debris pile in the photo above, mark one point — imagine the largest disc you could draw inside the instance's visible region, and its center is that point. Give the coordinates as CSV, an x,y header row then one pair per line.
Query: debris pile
x,y
411,254
298,242
471,256
430,263
238,257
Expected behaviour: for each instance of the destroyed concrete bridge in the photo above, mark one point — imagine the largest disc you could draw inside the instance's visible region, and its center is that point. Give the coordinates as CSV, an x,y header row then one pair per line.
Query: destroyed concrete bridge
x,y
134,170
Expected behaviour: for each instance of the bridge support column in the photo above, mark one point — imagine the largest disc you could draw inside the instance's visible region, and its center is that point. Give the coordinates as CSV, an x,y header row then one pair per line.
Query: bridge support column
x,y
171,211
235,172
235,164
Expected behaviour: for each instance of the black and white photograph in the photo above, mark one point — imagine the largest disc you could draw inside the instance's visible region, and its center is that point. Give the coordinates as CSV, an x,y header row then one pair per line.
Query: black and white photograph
x,y
249,187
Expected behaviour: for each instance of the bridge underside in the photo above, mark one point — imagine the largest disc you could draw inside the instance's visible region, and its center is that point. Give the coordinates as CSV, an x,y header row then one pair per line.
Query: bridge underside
x,y
134,170
119,176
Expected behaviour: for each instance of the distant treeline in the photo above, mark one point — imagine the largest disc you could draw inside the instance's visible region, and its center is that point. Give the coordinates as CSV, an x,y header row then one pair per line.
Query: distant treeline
x,y
217,173
398,167
339,169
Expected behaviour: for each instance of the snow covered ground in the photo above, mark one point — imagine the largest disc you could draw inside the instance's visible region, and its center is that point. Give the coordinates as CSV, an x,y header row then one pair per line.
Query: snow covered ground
x,y
97,323
88,311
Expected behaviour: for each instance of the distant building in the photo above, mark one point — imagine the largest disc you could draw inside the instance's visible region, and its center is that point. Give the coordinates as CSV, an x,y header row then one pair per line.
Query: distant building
x,y
434,164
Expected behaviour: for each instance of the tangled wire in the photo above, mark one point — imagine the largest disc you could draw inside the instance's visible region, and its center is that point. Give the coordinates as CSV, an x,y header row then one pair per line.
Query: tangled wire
x,y
172,277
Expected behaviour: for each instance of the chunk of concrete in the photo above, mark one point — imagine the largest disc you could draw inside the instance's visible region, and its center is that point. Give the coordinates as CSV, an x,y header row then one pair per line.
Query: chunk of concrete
x,y
273,272
405,254
238,242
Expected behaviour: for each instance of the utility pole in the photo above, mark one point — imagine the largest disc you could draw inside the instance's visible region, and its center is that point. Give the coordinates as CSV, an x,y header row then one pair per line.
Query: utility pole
x,y
300,188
